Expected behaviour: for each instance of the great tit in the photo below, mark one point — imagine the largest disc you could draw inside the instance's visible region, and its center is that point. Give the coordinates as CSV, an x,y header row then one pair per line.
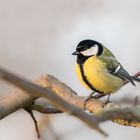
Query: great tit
x,y
98,69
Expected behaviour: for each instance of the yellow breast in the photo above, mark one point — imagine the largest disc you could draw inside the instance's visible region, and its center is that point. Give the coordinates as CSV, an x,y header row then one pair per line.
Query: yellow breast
x,y
96,74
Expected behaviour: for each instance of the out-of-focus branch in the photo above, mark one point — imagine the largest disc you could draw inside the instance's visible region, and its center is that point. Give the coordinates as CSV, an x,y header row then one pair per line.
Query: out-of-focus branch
x,y
131,114
131,101
53,87
125,116
38,91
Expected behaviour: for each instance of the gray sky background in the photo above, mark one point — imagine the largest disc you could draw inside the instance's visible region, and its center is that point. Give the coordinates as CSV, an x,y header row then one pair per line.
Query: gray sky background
x,y
38,37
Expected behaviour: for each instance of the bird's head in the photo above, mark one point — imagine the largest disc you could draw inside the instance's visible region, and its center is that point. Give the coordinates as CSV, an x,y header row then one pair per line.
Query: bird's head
x,y
88,48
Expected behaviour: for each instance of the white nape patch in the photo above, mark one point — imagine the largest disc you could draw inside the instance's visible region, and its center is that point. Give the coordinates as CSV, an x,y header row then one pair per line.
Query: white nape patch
x,y
117,69
91,51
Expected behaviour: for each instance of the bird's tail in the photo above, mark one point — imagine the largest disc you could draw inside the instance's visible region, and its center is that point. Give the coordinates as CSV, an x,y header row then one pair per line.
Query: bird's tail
x,y
135,78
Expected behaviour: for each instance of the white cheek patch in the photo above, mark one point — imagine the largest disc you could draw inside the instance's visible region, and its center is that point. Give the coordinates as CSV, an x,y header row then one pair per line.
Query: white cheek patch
x,y
91,51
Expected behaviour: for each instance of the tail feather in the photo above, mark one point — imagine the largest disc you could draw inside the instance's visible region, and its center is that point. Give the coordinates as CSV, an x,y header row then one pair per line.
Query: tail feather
x,y
136,79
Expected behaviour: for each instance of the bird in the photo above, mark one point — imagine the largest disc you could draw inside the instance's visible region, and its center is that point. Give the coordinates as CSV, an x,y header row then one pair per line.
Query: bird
x,y
98,69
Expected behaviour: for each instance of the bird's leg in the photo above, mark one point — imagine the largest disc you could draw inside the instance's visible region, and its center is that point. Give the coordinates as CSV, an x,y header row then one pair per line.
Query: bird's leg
x,y
88,98
107,100
98,96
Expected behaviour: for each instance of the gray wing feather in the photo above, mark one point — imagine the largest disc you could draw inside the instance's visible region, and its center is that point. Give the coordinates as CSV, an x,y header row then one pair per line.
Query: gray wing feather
x,y
123,74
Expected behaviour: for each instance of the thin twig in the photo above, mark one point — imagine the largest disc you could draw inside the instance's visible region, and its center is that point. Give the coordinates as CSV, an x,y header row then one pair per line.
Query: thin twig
x,y
46,110
35,122
136,101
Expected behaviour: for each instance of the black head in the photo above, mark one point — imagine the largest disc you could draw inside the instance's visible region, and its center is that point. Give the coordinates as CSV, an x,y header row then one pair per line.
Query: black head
x,y
88,48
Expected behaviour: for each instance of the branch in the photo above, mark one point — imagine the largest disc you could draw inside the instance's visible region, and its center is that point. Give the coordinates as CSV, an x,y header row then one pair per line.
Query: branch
x,y
131,101
124,116
53,87
45,110
35,122
38,91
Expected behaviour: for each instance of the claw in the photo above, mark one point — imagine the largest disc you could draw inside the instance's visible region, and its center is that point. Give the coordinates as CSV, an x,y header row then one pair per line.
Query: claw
x,y
87,99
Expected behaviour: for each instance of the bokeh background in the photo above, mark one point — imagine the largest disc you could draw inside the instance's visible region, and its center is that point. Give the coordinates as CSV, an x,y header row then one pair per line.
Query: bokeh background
x,y
38,37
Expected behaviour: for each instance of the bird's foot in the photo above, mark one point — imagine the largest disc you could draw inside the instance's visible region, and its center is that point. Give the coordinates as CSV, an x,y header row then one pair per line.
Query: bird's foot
x,y
105,103
88,98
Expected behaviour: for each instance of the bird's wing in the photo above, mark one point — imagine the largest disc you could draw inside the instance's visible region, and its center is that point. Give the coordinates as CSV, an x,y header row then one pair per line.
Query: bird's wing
x,y
114,67
122,73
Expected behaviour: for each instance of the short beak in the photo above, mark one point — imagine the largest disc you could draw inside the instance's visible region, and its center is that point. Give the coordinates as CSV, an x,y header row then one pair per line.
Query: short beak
x,y
75,53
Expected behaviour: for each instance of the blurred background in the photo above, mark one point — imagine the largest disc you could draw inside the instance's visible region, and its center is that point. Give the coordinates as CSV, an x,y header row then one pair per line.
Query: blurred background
x,y
38,37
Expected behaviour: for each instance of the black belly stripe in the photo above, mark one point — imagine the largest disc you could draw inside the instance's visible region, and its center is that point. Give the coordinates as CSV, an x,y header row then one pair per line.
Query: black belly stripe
x,y
86,80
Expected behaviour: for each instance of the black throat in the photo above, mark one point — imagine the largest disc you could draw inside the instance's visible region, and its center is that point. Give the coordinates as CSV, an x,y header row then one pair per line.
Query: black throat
x,y
81,59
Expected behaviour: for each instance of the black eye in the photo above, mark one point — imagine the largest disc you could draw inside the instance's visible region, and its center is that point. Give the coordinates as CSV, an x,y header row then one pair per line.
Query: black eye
x,y
85,48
